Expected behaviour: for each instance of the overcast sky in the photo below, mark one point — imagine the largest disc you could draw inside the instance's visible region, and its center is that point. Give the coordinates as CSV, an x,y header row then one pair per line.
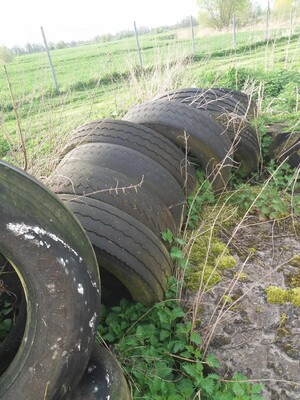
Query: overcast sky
x,y
68,20
72,20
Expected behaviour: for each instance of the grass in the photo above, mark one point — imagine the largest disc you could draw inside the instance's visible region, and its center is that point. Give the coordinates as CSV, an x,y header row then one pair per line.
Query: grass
x,y
104,80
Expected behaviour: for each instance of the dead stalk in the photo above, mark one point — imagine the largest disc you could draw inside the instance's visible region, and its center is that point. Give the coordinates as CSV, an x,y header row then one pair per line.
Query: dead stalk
x,y
20,133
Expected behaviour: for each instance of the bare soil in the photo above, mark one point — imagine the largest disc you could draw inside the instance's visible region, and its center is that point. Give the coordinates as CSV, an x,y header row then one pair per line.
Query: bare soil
x,y
246,333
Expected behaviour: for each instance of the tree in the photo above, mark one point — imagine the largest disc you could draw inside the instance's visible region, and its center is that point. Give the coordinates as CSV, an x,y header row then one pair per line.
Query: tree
x,y
282,6
219,13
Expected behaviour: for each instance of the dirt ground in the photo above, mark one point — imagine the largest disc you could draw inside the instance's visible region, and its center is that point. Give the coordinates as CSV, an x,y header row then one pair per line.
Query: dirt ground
x,y
245,332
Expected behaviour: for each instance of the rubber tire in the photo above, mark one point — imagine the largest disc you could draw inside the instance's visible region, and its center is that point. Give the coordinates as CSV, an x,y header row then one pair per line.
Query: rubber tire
x,y
124,247
242,98
226,111
103,379
139,138
284,148
86,179
211,100
56,258
134,164
205,140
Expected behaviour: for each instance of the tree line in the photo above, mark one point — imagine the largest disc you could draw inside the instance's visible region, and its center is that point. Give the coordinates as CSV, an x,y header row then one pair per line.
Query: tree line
x,y
217,14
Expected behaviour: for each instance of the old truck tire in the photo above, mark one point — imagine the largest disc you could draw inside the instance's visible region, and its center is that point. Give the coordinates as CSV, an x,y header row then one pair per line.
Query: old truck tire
x,y
88,180
60,278
103,379
230,115
242,98
204,138
124,247
139,138
132,163
205,99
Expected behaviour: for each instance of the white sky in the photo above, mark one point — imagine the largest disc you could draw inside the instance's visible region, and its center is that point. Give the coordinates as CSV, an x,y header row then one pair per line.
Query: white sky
x,y
68,20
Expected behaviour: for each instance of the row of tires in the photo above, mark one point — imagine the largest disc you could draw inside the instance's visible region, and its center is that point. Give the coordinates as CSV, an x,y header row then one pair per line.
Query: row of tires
x,y
127,180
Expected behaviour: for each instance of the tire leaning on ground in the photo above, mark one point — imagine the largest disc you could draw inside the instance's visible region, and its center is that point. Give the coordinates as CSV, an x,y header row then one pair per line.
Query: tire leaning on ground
x,y
132,163
103,379
128,194
124,247
139,138
191,128
242,98
56,264
230,115
205,99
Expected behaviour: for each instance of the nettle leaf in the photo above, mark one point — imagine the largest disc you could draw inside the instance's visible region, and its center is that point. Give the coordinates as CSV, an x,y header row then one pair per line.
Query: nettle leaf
x,y
145,331
176,253
178,346
163,334
256,388
109,337
194,370
167,236
177,312
195,338
164,317
183,328
212,361
238,389
186,388
164,371
208,385
180,241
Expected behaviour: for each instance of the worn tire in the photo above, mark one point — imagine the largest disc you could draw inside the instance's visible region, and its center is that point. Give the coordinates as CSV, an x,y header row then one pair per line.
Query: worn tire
x,y
227,112
124,247
139,138
60,278
86,179
205,140
242,98
206,99
103,379
132,164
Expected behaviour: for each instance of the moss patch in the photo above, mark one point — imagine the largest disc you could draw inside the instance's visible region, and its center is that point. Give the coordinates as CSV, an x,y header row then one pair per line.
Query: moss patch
x,y
209,257
293,280
276,295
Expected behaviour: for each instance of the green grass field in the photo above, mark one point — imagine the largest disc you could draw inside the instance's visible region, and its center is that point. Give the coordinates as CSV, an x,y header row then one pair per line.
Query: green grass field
x,y
104,80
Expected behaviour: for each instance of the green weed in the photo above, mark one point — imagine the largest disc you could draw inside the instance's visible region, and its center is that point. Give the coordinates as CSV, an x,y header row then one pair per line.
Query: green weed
x,y
6,320
277,199
161,354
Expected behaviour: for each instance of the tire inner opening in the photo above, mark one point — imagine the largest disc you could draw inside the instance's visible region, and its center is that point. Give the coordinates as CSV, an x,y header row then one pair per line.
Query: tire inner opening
x,y
12,313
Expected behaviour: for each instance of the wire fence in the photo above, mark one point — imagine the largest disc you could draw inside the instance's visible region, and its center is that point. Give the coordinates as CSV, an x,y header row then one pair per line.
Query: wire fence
x,y
73,65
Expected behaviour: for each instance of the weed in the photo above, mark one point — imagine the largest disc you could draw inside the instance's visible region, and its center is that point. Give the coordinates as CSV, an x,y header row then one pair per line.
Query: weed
x,y
276,200
160,353
6,320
